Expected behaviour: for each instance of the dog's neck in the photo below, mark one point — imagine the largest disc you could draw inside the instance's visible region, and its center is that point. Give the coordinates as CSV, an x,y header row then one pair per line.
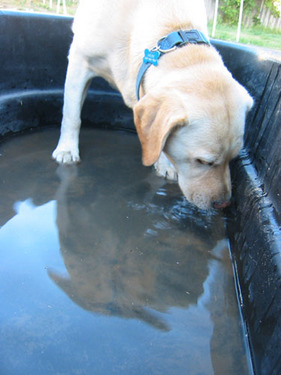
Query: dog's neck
x,y
168,44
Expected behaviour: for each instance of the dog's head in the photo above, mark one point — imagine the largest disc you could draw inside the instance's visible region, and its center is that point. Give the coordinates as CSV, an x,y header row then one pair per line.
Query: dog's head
x,y
200,131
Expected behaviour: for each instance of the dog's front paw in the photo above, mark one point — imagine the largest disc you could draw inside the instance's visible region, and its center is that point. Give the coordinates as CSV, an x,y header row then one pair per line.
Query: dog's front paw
x,y
164,168
66,156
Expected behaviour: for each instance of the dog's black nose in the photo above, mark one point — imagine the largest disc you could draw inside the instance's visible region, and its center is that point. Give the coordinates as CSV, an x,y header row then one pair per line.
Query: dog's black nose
x,y
220,205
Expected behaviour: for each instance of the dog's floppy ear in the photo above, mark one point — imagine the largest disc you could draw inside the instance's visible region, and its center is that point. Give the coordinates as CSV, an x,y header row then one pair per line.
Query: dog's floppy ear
x,y
155,117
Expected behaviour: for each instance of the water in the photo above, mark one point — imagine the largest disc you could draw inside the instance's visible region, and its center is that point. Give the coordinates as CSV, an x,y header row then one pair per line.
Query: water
x,y
106,269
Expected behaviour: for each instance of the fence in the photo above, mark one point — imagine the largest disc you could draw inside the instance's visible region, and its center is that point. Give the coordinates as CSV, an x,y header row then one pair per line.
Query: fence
x,y
263,14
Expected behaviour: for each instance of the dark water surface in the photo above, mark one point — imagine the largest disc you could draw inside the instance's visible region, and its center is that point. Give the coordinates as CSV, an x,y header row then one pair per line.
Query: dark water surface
x,y
106,269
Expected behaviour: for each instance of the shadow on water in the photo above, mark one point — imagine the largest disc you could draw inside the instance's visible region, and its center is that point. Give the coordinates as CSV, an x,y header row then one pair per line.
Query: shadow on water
x,y
129,247
119,258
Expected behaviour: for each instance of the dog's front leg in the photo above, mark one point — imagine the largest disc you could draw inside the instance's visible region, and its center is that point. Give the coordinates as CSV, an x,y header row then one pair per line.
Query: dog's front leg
x,y
78,79
165,168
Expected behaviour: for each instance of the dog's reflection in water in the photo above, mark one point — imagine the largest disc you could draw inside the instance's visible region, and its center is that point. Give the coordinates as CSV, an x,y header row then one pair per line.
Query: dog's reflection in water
x,y
132,250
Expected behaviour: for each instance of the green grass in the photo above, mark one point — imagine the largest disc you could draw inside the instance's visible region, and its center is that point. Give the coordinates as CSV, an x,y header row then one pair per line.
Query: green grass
x,y
255,36
38,6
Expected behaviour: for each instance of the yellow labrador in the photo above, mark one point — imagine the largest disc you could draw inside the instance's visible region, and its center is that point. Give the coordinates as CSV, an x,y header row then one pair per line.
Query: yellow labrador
x,y
189,112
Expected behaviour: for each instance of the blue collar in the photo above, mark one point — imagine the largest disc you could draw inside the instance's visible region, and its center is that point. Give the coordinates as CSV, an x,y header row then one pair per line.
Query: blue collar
x,y
167,44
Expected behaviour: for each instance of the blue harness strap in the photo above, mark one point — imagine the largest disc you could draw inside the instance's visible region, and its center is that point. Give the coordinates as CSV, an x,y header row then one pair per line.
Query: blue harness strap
x,y
167,44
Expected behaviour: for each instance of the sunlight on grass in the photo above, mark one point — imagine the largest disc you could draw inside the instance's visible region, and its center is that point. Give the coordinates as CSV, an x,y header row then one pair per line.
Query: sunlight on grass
x,y
255,36
39,6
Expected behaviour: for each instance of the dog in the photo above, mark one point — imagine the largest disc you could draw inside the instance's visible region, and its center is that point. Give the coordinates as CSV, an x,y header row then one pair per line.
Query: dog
x,y
189,111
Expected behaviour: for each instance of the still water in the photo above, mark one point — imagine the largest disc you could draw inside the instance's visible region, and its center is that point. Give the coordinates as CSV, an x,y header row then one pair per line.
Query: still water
x,y
106,269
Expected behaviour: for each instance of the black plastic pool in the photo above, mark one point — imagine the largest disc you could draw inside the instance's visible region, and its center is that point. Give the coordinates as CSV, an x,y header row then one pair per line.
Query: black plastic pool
x,y
92,279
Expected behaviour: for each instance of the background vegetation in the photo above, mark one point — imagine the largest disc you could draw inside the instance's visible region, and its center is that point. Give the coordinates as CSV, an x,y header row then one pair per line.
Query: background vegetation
x,y
46,6
252,33
255,36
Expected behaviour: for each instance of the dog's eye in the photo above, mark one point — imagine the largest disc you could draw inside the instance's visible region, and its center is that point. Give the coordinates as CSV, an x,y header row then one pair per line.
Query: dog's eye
x,y
204,162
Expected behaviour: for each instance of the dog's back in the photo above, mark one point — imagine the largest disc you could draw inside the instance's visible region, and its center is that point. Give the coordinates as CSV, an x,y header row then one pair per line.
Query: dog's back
x,y
113,34
140,21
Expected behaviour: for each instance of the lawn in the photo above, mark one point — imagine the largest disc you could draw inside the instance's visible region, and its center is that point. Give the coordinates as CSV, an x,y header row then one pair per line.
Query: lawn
x,y
256,36
39,6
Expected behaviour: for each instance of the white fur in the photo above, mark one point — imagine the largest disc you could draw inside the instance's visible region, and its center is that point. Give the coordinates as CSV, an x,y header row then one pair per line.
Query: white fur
x,y
109,41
